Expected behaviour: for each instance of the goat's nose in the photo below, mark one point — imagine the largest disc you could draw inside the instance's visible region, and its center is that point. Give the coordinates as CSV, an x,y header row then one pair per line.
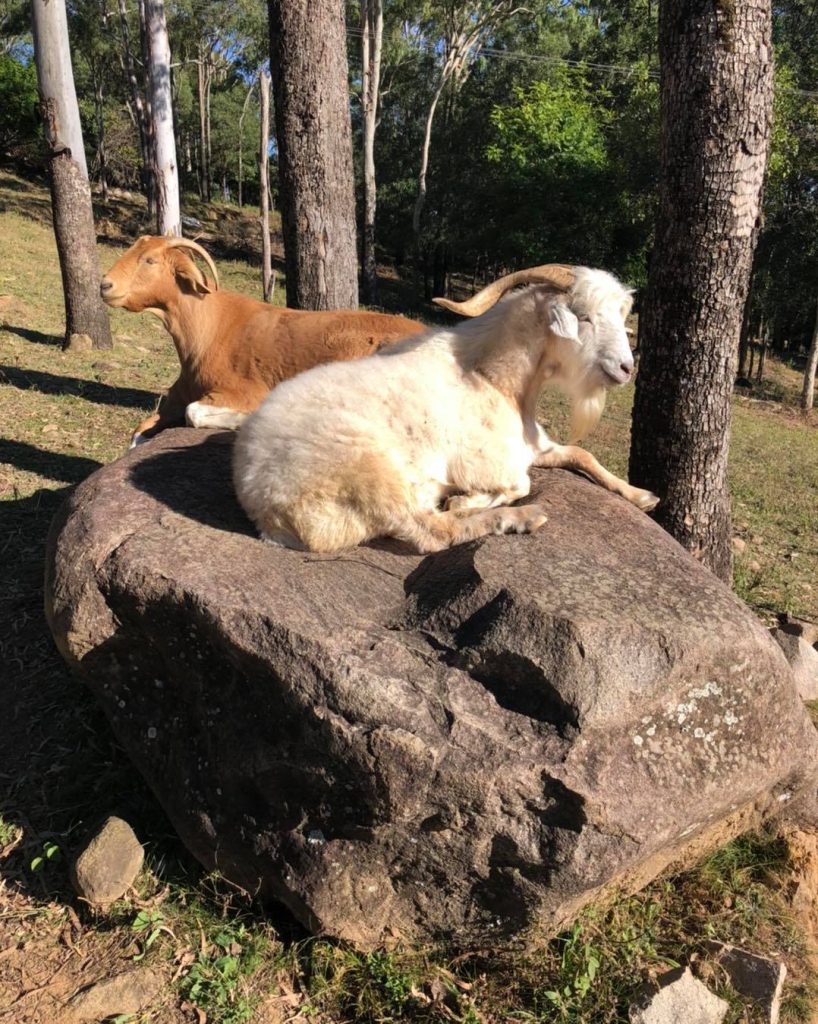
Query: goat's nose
x,y
626,366
105,286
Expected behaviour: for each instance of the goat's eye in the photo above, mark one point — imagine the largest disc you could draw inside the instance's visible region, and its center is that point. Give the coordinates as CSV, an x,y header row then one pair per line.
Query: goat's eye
x,y
584,319
150,260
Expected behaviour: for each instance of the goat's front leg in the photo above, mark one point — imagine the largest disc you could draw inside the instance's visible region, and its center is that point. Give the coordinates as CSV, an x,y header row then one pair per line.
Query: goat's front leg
x,y
486,499
569,456
169,413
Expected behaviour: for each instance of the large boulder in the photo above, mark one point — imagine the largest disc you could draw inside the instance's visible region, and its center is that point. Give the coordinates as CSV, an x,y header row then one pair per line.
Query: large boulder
x,y
466,745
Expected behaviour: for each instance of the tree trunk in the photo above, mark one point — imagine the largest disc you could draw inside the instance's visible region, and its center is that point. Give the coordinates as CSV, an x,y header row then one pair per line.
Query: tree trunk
x,y
72,212
371,47
166,170
241,140
310,83
202,70
808,393
145,46
140,114
716,92
99,110
267,278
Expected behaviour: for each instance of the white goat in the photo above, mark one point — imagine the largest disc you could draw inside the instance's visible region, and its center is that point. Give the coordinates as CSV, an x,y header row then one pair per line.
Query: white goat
x,y
347,452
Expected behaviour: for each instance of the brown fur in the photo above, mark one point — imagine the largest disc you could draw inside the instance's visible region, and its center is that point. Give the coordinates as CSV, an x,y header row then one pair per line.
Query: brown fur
x,y
233,349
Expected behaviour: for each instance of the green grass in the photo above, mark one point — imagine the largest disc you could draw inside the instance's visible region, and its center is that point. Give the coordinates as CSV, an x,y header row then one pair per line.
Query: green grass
x,y
64,414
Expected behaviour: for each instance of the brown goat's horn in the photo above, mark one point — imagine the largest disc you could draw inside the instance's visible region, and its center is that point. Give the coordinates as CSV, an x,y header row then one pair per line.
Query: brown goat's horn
x,y
186,243
558,275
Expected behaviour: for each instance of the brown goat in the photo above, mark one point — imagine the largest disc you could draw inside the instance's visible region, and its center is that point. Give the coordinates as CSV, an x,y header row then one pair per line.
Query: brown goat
x,y
232,349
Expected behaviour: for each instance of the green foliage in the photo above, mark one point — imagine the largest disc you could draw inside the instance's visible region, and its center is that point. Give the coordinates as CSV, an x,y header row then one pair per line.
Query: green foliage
x,y
551,131
231,954
18,103
51,855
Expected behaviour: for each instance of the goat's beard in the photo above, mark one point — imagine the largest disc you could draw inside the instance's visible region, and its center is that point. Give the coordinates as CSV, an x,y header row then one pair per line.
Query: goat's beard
x,y
586,412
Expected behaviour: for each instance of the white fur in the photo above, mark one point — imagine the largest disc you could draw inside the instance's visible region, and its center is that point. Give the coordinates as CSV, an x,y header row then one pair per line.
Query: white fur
x,y
349,451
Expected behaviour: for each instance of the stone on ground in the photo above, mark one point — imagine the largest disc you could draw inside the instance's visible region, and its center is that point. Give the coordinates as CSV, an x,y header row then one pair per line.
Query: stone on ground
x,y
756,977
465,746
803,661
106,866
124,994
679,999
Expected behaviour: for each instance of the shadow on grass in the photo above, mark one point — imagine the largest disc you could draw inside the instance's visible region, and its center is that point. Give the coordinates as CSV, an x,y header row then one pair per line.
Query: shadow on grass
x,y
53,465
60,766
90,390
37,337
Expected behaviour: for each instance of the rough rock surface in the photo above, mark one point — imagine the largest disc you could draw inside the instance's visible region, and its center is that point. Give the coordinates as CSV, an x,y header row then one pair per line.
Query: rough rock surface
x,y
756,977
108,863
803,661
465,745
679,999
124,994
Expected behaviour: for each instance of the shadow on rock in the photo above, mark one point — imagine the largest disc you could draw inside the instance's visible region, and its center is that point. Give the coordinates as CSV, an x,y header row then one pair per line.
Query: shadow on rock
x,y
195,481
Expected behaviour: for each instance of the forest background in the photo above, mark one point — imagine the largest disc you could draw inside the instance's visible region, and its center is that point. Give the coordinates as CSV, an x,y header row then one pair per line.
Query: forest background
x,y
543,145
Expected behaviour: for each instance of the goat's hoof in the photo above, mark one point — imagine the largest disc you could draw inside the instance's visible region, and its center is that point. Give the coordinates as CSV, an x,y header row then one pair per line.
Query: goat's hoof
x,y
136,440
645,500
522,519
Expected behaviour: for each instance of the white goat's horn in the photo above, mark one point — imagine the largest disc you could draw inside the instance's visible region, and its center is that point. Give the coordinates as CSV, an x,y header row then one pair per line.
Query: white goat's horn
x,y
186,243
559,275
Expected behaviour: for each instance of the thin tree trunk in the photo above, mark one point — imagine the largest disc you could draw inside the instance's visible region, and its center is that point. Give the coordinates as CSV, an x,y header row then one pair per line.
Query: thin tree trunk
x,y
267,277
310,83
145,45
241,140
138,105
808,393
420,200
716,92
99,110
166,170
204,164
85,315
371,46
764,335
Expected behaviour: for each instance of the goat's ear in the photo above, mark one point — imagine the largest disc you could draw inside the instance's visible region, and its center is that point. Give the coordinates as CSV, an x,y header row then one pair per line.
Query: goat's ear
x,y
190,278
563,322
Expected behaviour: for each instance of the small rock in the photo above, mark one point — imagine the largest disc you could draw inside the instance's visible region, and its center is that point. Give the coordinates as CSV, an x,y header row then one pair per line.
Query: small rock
x,y
755,566
803,661
739,545
756,977
108,864
680,998
756,539
79,343
807,630
123,994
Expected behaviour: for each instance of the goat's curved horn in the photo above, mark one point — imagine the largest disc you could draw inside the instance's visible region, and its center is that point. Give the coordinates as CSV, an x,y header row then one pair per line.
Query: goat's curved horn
x,y
559,275
187,243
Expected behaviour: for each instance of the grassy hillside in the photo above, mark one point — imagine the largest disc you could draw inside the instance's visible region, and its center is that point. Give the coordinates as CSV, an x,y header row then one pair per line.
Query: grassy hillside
x,y
64,414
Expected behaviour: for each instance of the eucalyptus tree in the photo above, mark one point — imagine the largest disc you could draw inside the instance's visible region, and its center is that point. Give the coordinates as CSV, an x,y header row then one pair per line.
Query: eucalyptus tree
x,y
308,61
73,217
713,158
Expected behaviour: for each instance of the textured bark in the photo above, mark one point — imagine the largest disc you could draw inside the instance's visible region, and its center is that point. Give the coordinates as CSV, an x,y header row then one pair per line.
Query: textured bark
x,y
166,171
309,69
808,394
72,212
371,47
267,276
716,89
